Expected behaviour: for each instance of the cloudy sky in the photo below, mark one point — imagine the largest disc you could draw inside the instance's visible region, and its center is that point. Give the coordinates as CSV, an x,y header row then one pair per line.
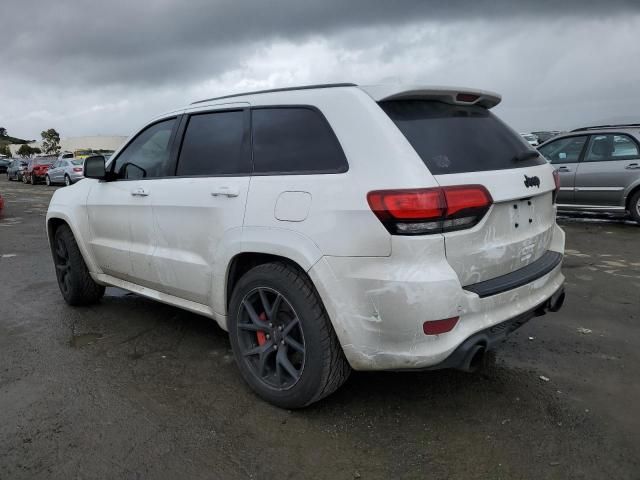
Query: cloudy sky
x,y
105,67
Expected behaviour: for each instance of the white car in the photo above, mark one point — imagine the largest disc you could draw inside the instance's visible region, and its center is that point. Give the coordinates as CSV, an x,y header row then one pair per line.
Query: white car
x,y
326,228
531,139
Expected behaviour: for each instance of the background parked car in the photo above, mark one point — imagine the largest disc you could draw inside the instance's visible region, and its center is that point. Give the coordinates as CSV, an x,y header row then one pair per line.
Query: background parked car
x,y
4,164
14,171
37,169
530,138
66,170
599,168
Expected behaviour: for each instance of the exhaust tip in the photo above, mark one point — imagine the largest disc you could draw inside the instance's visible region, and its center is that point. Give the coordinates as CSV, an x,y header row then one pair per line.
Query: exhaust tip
x,y
474,359
557,305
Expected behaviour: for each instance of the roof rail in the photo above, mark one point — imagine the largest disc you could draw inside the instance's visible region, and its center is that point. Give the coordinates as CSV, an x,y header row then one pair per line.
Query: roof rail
x,y
286,89
596,127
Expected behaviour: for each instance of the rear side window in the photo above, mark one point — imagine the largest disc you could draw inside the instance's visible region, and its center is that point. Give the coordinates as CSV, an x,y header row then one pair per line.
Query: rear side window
x,y
611,147
214,145
294,140
456,139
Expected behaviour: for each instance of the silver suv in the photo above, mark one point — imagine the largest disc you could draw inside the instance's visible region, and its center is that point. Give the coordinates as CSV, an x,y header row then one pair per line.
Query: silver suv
x,y
599,168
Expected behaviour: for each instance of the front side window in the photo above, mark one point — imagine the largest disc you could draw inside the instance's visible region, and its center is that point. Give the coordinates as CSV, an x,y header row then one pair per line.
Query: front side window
x,y
611,147
564,150
294,140
214,144
148,155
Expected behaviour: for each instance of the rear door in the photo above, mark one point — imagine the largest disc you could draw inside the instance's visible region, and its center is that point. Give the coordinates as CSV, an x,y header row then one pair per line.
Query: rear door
x,y
565,154
611,164
468,145
204,203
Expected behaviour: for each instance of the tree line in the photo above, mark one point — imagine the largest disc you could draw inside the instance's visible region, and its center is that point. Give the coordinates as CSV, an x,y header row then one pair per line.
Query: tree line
x,y
50,144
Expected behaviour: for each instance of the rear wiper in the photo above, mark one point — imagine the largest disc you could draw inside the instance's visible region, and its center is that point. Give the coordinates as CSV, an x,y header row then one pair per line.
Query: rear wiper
x,y
529,154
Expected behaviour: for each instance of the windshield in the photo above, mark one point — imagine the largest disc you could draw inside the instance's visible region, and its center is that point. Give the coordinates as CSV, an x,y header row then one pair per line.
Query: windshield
x,y
456,138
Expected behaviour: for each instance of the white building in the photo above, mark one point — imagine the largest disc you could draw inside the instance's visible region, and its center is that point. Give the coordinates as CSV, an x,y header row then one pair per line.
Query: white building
x,y
99,142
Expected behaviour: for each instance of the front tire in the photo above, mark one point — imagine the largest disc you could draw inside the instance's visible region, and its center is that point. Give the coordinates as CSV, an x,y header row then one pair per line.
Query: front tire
x,y
47,180
634,206
75,282
282,338
33,179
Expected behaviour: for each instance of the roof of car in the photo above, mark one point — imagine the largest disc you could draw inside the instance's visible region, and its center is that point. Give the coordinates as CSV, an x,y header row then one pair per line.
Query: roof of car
x,y
455,95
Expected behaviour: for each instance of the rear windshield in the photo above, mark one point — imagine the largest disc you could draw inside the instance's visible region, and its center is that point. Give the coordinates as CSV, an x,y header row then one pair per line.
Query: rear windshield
x,y
456,139
43,161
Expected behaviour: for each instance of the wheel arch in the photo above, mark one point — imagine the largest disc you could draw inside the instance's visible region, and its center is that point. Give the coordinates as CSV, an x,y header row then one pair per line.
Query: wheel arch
x,y
57,219
635,188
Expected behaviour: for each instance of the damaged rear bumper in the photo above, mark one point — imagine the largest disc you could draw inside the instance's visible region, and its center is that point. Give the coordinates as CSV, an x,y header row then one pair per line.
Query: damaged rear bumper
x,y
469,355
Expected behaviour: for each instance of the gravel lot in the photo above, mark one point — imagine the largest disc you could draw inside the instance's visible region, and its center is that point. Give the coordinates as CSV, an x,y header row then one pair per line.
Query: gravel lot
x,y
130,388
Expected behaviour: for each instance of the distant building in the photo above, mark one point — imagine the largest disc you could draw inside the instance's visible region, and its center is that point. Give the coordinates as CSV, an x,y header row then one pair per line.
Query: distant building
x,y
99,142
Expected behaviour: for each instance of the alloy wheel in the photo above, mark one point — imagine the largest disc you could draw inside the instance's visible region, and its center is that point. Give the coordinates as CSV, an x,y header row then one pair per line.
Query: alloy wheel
x,y
67,180
63,265
270,338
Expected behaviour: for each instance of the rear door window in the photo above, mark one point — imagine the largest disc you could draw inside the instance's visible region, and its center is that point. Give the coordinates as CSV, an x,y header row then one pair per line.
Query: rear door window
x,y
611,147
564,150
456,139
294,140
215,144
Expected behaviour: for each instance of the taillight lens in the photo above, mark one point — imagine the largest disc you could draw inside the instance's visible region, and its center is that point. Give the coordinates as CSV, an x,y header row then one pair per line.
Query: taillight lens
x,y
556,179
430,210
77,169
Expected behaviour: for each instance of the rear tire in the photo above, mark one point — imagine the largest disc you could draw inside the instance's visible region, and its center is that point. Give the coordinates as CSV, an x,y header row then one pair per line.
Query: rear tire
x,y
67,180
634,206
75,282
299,367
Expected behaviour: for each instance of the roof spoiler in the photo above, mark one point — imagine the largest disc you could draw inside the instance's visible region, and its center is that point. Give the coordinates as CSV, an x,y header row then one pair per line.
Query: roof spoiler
x,y
451,95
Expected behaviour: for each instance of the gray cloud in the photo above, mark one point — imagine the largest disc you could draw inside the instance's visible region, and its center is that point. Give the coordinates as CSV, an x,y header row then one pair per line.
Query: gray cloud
x,y
103,67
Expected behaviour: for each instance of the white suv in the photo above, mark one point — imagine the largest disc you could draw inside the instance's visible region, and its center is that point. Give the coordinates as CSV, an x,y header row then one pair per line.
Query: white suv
x,y
325,228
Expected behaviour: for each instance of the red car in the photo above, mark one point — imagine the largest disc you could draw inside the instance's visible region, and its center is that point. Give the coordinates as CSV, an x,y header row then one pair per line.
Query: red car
x,y
37,169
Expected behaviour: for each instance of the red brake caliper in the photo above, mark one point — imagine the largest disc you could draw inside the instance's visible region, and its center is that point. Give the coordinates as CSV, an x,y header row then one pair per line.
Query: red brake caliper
x,y
262,336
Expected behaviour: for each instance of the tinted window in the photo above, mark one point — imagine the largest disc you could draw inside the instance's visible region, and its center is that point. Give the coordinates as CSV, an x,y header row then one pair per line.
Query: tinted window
x,y
148,154
564,150
294,140
455,139
611,147
214,145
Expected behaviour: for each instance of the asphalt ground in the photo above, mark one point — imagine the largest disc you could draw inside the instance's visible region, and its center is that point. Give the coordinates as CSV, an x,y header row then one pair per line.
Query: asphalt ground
x,y
131,388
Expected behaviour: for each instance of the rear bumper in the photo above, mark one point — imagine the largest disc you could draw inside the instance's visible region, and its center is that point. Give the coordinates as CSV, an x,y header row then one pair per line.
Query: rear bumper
x,y
467,354
378,305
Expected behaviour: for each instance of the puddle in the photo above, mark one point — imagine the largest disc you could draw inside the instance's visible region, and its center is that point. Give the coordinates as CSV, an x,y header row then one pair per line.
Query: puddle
x,y
83,339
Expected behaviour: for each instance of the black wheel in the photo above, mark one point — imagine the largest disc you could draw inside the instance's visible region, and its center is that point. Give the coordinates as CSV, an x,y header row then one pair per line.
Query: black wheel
x,y
634,206
24,179
33,179
76,285
67,180
282,337
47,180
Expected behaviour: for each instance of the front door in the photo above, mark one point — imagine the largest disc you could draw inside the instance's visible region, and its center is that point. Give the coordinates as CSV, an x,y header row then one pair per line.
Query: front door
x,y
120,211
611,164
204,204
564,154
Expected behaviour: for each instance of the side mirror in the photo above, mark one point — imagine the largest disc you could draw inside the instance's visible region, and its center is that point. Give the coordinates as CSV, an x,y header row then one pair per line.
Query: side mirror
x,y
94,167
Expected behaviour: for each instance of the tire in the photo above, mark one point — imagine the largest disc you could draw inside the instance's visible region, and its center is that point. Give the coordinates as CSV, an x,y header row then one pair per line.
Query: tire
x,y
634,206
24,179
75,282
33,179
318,371
67,180
47,180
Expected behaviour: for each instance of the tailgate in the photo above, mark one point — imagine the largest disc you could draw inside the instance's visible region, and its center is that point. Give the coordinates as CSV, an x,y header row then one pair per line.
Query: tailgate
x,y
515,232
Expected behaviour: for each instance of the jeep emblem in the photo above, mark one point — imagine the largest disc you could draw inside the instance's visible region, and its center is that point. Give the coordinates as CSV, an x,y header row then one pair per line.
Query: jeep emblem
x,y
531,181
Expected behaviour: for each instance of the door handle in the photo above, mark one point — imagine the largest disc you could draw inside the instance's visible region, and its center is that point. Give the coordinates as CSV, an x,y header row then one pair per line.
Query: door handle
x,y
226,191
564,169
139,192
632,166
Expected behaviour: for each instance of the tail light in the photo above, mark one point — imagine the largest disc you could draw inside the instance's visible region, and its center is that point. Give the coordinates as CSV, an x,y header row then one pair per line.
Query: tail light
x,y
556,179
430,210
77,169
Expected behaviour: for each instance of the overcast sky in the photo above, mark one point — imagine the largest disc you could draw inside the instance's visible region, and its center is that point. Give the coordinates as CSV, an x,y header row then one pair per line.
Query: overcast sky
x,y
88,68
